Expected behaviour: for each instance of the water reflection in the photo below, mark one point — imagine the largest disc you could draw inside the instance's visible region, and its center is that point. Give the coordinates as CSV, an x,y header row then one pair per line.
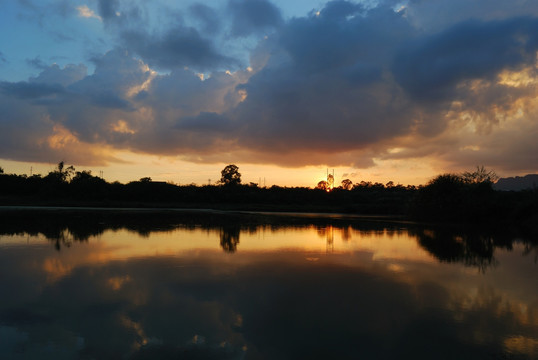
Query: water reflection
x,y
468,246
232,287
229,238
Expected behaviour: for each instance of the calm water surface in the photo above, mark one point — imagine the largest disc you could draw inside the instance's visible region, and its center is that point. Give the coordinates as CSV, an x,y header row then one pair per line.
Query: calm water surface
x,y
265,288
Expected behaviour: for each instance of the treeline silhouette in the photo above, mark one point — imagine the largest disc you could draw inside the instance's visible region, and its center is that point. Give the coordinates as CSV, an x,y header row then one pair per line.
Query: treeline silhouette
x,y
65,186
460,244
468,197
471,198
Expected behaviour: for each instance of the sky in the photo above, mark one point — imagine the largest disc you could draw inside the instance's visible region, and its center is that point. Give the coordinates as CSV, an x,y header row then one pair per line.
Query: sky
x,y
175,90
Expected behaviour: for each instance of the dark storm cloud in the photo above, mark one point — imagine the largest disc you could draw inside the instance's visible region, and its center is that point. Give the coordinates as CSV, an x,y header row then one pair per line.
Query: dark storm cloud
x,y
108,9
340,9
433,66
346,82
436,15
25,90
208,17
328,92
178,47
320,43
253,16
207,122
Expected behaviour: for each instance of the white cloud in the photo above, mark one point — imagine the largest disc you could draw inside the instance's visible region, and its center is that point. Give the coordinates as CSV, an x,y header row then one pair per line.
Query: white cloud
x,y
85,12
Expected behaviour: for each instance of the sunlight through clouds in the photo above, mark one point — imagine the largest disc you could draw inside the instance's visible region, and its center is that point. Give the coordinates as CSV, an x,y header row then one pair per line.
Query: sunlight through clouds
x,y
347,84
85,12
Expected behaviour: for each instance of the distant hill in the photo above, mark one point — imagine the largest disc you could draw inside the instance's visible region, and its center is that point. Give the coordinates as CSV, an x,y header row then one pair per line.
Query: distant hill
x,y
517,183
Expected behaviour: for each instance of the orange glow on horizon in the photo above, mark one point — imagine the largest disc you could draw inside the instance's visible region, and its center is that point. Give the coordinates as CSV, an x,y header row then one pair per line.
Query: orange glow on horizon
x,y
129,166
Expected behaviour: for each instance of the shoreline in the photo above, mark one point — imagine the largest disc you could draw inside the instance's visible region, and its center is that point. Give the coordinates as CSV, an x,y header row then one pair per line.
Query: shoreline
x,y
186,210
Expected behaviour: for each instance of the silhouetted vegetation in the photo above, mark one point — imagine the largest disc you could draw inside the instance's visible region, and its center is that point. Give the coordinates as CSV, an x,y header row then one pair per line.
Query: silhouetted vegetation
x,y
230,176
468,197
67,187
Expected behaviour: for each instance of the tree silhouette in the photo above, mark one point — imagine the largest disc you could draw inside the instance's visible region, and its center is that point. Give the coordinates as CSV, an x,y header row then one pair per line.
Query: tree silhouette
x,y
61,174
467,197
1,170
322,185
347,184
480,175
230,175
86,186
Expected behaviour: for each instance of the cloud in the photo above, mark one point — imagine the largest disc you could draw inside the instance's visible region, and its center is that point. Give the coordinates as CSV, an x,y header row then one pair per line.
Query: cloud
x,y
433,66
85,12
348,85
339,10
119,15
253,16
64,113
321,43
65,76
207,16
27,133
207,122
330,92
422,13
176,48
108,9
25,90
37,63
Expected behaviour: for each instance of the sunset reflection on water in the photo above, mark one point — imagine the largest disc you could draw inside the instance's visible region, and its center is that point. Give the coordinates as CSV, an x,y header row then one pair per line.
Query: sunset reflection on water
x,y
265,291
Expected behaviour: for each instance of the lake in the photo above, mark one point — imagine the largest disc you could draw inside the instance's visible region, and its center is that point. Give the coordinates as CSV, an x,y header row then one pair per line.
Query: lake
x,y
135,284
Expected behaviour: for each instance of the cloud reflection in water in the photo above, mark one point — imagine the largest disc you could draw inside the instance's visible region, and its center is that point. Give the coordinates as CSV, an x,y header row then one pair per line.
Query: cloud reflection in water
x,y
176,293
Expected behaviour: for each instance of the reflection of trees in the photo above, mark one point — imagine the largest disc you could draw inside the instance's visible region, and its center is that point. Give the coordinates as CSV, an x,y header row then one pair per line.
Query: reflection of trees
x,y
346,233
468,247
229,238
64,227
63,239
529,248
329,240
